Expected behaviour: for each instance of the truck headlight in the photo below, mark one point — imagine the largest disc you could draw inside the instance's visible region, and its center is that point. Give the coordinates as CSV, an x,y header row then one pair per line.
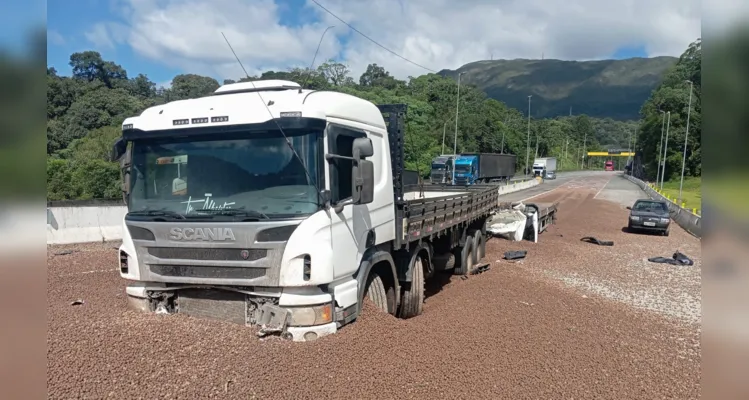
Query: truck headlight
x,y
311,316
634,218
665,220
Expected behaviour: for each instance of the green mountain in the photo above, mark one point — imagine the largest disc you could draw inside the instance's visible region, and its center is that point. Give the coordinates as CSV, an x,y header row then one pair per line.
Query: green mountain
x,y
608,88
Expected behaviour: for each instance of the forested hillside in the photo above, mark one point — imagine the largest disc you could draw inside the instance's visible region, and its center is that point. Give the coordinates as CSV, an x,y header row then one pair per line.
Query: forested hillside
x,y
85,110
673,96
605,88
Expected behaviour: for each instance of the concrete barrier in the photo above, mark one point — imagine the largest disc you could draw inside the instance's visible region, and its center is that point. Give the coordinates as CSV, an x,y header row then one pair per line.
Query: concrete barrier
x,y
517,186
686,219
84,221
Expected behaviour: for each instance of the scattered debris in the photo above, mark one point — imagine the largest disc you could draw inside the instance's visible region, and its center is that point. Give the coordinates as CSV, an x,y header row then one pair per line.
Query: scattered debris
x,y
592,240
515,255
226,385
65,252
479,269
677,259
524,303
77,302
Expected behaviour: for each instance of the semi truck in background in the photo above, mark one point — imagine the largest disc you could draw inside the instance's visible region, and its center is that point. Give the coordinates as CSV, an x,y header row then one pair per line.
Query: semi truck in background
x,y
478,168
543,165
609,166
296,209
442,169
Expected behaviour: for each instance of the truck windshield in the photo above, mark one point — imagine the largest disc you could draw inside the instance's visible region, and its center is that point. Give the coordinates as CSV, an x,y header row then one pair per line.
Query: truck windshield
x,y
462,168
439,167
255,172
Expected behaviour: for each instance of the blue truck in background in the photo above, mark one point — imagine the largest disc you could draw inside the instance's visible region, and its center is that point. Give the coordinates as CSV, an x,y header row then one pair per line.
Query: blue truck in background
x,y
478,168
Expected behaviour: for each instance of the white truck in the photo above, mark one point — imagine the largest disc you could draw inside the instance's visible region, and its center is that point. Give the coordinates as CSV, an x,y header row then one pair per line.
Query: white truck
x,y
543,165
278,207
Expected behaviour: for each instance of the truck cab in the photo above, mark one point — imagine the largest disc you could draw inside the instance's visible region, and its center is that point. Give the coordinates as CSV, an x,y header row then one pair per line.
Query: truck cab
x,y
442,169
466,170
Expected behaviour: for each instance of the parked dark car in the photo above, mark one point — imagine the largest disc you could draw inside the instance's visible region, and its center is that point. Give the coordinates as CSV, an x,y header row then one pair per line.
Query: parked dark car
x,y
550,175
649,215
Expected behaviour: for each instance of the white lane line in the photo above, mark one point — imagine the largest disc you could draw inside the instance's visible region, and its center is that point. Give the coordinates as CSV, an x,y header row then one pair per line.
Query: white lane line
x,y
548,191
604,187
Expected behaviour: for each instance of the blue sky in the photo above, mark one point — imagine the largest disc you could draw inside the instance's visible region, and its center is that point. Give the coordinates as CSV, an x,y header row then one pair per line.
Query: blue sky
x,y
69,20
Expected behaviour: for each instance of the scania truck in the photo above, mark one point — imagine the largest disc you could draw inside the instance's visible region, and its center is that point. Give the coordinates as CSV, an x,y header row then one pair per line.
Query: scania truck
x,y
283,208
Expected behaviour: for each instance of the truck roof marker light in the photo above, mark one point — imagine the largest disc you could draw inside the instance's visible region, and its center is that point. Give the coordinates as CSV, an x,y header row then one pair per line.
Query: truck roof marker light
x,y
220,119
181,122
291,114
127,126
200,120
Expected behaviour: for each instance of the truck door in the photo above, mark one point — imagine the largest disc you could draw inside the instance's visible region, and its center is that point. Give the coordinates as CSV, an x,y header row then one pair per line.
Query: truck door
x,y
349,228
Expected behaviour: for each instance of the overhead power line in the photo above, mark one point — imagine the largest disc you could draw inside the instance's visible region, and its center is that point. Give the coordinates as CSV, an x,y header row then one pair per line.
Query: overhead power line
x,y
372,40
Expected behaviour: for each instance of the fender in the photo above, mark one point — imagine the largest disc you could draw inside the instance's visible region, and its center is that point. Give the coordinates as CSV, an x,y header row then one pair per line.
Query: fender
x,y
372,257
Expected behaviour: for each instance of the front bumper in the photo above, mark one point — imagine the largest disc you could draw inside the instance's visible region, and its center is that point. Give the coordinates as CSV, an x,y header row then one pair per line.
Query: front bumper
x,y
299,322
640,225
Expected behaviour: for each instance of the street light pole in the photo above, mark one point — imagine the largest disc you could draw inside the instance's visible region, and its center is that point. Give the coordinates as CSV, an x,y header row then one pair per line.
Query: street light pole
x,y
582,156
528,139
457,108
660,148
444,127
665,148
502,147
686,136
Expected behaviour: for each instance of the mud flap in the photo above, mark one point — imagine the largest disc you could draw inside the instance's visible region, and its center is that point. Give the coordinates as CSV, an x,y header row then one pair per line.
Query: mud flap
x,y
272,319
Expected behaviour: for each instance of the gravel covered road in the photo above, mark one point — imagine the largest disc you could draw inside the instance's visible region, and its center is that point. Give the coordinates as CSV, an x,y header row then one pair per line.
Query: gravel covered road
x,y
572,320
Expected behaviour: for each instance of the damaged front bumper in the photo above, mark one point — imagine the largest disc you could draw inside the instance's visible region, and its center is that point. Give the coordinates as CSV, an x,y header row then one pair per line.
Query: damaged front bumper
x,y
266,311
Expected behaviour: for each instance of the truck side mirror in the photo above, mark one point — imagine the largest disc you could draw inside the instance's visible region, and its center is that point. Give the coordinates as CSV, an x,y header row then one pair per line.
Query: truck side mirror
x,y
363,182
362,148
118,150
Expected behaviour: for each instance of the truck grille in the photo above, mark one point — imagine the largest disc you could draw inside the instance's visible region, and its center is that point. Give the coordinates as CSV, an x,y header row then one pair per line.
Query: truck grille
x,y
187,253
195,271
213,304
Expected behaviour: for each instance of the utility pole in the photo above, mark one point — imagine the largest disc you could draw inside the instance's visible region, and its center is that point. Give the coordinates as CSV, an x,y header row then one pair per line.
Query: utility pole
x,y
528,139
660,148
665,148
585,141
565,147
686,137
502,149
457,107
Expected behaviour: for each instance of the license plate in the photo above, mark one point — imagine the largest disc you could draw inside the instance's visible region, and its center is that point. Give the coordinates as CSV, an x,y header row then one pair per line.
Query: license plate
x,y
649,223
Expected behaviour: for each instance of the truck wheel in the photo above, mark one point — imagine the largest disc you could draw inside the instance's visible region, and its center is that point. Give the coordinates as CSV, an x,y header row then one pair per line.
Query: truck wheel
x,y
465,255
479,246
376,292
412,300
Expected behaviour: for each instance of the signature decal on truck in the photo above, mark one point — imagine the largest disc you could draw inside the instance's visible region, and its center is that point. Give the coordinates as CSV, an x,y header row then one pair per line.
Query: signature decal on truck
x,y
201,234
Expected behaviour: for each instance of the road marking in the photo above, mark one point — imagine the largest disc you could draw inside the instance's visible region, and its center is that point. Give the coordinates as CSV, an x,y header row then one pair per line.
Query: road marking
x,y
548,191
604,186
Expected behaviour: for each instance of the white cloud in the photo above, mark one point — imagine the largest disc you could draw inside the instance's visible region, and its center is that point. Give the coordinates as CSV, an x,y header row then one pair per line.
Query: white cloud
x,y
438,34
55,38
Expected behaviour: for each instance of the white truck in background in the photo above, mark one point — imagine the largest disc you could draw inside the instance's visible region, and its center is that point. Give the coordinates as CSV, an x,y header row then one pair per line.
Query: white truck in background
x,y
543,165
278,207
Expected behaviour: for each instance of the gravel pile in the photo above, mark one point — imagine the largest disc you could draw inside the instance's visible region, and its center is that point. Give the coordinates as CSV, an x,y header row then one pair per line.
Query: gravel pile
x,y
512,332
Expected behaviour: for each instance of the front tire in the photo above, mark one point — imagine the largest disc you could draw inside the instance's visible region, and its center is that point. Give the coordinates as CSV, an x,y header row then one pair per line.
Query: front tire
x,y
376,292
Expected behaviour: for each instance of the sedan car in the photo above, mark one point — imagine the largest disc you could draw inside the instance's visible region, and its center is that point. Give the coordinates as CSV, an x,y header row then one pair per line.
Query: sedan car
x,y
550,175
649,215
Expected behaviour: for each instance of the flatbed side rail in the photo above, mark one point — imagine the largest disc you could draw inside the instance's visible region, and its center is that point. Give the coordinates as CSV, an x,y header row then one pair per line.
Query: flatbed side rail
x,y
431,216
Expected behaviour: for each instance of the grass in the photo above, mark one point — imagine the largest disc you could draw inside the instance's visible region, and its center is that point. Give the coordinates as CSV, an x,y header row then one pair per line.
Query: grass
x,y
730,193
691,192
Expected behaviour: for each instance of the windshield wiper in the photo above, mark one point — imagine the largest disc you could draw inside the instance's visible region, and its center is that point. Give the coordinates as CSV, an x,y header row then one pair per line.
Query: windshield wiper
x,y
234,212
157,213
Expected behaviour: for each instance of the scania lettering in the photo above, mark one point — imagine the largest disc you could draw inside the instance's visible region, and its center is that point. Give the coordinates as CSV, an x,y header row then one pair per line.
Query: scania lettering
x,y
210,234
268,205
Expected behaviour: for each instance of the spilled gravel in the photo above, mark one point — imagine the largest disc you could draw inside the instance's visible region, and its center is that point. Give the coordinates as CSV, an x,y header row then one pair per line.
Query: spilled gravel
x,y
517,331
